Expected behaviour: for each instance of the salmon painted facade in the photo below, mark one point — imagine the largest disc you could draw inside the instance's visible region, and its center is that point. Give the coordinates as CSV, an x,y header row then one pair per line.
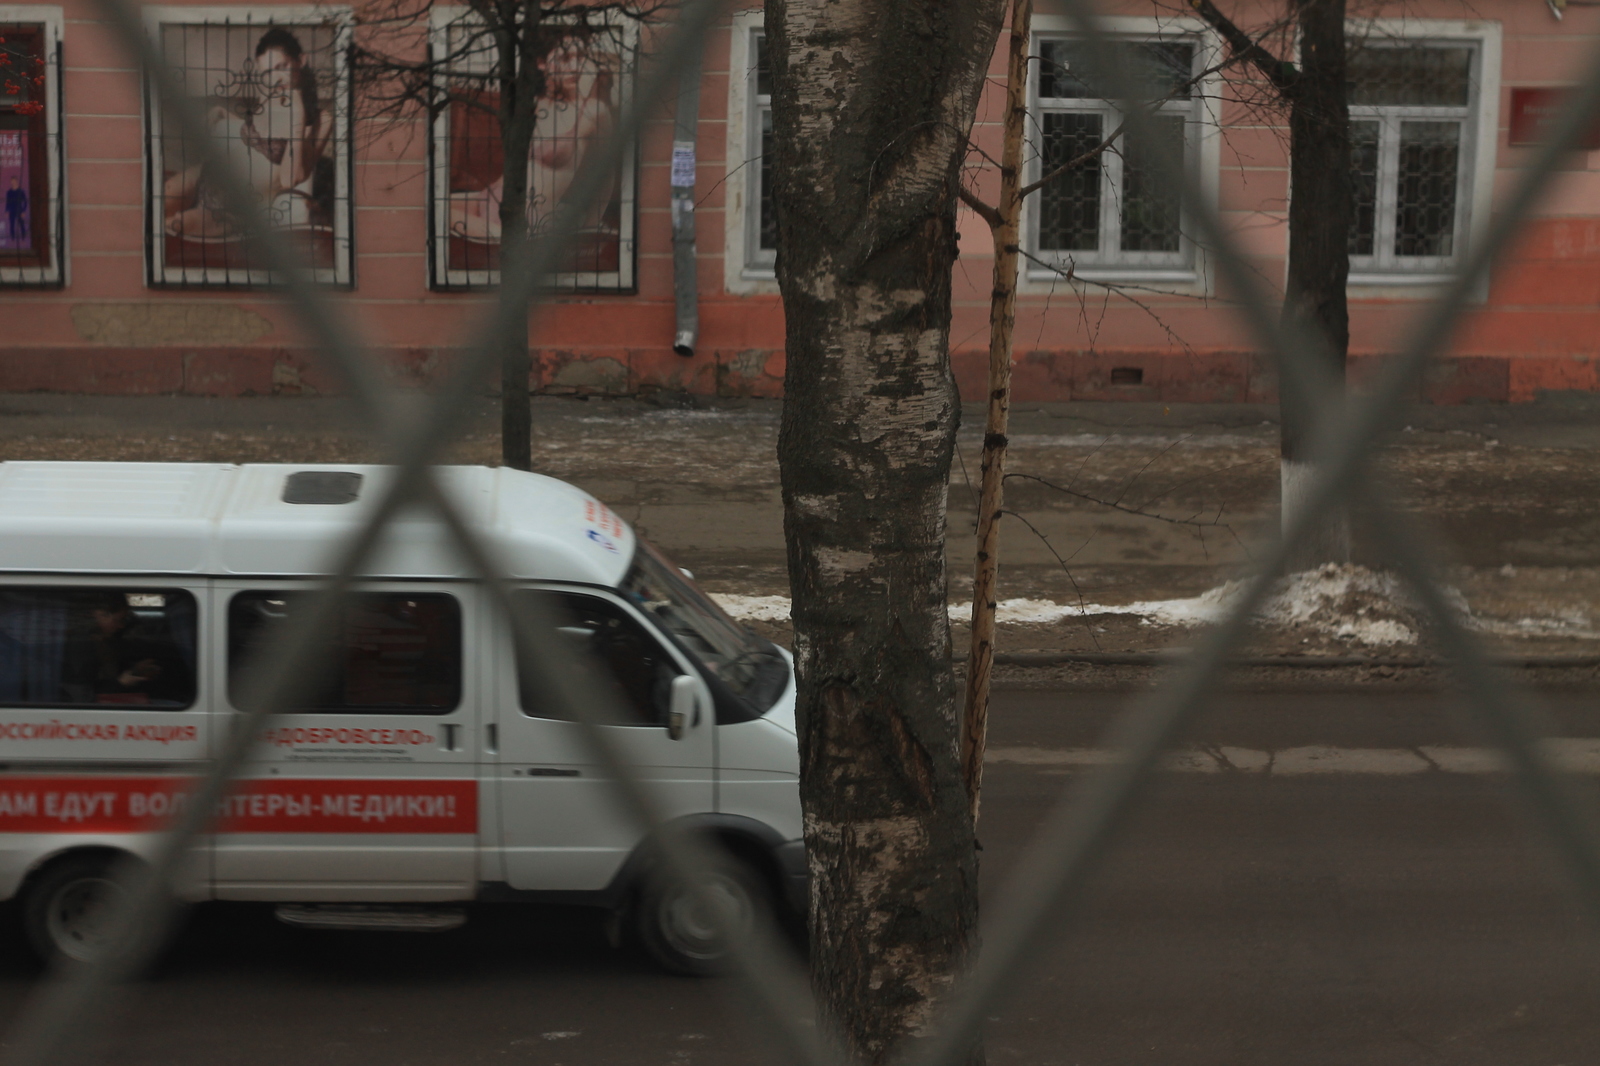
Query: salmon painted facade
x,y
121,271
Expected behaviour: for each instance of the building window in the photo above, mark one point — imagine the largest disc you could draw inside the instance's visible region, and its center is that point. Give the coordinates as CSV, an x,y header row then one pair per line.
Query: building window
x,y
1412,108
1112,210
750,248
761,222
31,233
274,90
588,77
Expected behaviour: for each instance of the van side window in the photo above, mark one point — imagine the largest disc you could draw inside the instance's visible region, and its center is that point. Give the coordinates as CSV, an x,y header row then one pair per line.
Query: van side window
x,y
400,652
97,647
616,655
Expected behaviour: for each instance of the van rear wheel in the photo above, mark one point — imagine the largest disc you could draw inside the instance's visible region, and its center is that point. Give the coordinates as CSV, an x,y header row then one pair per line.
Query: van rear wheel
x,y
69,910
682,932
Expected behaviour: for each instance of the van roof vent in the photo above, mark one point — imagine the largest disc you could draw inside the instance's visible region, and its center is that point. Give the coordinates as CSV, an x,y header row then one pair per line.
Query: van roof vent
x,y
321,486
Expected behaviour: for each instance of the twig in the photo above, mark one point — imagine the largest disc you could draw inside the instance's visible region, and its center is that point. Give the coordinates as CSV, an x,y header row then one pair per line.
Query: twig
x,y
1083,608
1215,522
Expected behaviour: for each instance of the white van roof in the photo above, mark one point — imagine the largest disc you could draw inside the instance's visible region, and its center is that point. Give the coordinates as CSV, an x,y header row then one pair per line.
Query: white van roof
x,y
208,518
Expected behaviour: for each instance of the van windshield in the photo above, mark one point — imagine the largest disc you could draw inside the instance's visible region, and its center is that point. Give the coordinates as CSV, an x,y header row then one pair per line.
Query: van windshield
x,y
750,666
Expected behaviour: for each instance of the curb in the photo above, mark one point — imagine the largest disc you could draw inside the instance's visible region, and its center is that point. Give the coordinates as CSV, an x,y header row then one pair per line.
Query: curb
x,y
1302,662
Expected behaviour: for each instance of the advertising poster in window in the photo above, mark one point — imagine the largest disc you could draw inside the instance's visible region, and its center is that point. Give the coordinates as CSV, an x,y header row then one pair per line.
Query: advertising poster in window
x,y
25,164
585,82
15,178
275,100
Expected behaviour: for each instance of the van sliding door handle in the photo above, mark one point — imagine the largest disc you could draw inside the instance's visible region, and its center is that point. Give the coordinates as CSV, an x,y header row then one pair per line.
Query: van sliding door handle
x,y
452,733
492,741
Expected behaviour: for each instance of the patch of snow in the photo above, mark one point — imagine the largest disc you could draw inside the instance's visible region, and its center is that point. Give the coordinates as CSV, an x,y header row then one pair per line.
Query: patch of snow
x,y
1349,602
753,608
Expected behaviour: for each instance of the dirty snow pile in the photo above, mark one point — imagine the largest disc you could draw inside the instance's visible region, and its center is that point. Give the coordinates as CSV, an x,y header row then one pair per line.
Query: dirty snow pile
x,y
1337,600
1350,602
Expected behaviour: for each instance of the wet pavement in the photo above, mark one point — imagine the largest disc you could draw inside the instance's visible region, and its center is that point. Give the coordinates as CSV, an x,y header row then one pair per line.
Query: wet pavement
x,y
1349,915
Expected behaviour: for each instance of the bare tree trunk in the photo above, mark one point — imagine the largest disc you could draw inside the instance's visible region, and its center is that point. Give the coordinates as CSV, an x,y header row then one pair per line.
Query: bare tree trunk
x,y
1002,320
1321,211
518,37
872,103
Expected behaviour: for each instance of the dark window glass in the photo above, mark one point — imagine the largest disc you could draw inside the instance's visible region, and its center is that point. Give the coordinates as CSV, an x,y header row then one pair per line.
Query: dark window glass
x,y
769,211
615,654
1151,207
1364,176
398,652
1157,70
767,230
763,68
748,666
24,155
97,647
1425,209
1411,76
1069,206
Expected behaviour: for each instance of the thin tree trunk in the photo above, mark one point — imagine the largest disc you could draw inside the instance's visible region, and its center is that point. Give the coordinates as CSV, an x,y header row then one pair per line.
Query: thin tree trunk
x,y
1321,210
519,40
871,106
1002,320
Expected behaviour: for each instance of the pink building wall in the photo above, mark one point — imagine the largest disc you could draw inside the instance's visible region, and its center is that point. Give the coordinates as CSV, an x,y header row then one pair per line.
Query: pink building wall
x,y
105,331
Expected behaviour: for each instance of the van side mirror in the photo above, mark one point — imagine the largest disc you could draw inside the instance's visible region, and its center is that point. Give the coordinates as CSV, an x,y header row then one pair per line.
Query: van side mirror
x,y
684,711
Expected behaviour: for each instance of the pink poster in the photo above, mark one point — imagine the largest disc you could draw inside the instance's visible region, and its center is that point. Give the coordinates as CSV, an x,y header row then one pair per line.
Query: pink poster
x,y
16,231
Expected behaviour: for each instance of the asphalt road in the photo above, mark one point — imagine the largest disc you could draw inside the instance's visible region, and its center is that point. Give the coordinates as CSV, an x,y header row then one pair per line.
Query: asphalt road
x,y
1325,878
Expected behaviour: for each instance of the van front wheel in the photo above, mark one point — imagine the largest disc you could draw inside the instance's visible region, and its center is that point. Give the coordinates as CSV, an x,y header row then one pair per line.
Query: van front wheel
x,y
68,912
680,928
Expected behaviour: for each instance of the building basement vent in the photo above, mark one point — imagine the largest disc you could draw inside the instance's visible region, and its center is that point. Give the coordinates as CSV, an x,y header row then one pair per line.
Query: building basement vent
x,y
321,486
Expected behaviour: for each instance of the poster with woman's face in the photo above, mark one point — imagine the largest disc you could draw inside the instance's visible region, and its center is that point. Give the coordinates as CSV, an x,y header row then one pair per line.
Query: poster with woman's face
x,y
584,85
272,95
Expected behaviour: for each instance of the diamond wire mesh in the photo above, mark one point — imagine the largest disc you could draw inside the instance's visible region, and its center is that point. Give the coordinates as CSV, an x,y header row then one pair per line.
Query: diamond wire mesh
x,y
1062,855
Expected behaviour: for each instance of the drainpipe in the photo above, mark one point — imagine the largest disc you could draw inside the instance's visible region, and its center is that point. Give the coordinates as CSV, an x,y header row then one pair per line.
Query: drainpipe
x,y
683,168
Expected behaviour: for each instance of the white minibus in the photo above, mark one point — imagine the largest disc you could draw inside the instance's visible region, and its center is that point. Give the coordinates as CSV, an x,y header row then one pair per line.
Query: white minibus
x,y
429,768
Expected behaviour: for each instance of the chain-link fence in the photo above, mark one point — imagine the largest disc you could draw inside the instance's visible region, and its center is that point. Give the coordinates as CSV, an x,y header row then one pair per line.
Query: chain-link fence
x,y
1058,861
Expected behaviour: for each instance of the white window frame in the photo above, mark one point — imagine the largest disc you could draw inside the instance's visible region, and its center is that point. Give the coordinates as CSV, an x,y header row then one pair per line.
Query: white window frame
x,y
158,273
1189,272
1382,273
56,273
441,277
746,268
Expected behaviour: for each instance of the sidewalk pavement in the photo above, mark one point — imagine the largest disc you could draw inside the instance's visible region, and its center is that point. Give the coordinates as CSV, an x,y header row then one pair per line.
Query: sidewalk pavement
x,y
1162,502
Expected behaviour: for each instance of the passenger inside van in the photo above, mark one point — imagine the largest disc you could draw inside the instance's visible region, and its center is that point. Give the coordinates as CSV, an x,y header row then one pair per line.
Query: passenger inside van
x,y
75,646
123,659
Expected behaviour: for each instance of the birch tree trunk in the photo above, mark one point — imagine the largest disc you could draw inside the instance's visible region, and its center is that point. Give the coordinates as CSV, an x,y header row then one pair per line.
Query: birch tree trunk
x,y
872,103
1321,211
1002,322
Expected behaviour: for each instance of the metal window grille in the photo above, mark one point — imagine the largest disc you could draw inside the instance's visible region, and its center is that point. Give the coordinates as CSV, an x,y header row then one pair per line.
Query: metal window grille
x,y
1411,111
1113,210
588,73
32,165
1074,835
276,97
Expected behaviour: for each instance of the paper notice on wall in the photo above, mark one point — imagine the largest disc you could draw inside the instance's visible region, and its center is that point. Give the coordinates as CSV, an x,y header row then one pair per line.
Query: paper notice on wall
x,y
683,164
